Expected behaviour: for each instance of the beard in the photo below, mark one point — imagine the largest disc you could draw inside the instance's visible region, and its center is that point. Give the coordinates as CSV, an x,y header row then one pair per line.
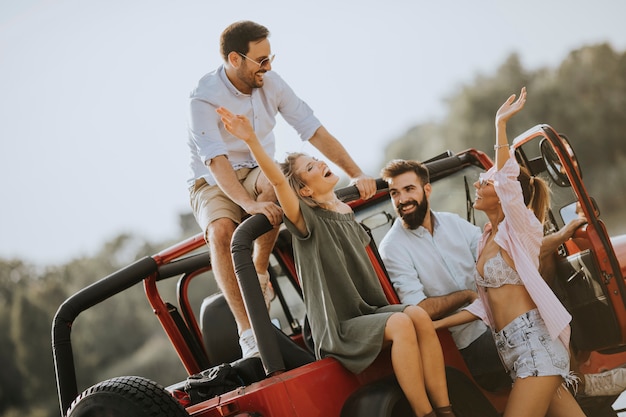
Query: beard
x,y
249,79
416,218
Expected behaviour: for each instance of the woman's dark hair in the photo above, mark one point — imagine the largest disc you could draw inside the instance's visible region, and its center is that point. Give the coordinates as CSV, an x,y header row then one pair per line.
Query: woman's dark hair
x,y
237,37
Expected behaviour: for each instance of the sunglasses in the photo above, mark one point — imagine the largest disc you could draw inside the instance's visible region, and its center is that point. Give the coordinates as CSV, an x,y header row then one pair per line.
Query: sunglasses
x,y
483,182
262,62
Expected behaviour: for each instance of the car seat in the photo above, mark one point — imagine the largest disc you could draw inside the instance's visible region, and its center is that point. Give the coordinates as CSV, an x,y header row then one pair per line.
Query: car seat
x,y
221,340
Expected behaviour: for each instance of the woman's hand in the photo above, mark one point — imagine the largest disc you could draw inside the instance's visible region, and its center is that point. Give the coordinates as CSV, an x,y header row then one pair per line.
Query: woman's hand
x,y
460,317
237,125
510,107
439,325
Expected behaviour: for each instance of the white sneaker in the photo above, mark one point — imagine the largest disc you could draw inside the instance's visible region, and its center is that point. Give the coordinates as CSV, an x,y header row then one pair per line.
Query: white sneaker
x,y
247,342
611,382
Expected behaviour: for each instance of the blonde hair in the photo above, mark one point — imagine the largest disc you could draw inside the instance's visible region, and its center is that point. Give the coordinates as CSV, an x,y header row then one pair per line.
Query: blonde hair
x,y
294,180
536,193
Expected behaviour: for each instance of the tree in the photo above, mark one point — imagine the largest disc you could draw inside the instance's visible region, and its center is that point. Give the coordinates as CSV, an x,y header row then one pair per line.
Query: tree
x,y
30,334
11,380
585,98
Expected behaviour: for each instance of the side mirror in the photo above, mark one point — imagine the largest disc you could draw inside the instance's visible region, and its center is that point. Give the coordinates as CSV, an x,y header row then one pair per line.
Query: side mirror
x,y
377,220
573,210
569,212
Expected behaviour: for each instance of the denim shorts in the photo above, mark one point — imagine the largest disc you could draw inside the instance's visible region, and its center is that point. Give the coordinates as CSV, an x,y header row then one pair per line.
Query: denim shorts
x,y
527,349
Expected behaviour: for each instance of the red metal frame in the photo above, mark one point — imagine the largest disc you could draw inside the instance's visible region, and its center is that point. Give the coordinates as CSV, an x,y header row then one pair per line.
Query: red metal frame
x,y
160,308
169,326
597,236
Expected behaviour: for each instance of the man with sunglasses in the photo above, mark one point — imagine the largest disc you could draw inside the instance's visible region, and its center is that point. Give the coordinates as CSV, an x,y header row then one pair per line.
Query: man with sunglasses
x,y
226,183
431,260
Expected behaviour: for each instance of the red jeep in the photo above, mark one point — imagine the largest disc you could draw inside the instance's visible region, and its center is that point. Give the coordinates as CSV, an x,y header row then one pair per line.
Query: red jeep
x,y
287,380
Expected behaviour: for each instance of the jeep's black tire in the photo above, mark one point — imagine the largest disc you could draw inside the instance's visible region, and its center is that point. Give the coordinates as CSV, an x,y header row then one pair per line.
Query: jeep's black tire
x,y
382,398
127,396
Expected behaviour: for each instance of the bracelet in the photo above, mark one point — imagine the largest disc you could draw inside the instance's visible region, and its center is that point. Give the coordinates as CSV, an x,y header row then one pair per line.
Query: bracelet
x,y
496,147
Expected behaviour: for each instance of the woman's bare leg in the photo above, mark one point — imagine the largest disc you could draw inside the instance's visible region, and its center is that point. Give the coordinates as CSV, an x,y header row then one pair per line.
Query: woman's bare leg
x,y
564,404
406,362
547,398
431,356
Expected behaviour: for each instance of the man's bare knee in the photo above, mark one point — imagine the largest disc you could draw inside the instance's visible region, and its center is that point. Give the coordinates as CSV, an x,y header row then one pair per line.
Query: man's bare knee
x,y
220,231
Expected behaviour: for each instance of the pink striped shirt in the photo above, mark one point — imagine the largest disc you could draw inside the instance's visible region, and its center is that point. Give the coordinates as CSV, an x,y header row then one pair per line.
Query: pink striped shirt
x,y
520,235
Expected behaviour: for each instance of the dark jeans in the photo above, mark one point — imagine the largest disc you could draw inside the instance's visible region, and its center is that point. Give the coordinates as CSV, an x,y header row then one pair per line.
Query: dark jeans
x,y
484,363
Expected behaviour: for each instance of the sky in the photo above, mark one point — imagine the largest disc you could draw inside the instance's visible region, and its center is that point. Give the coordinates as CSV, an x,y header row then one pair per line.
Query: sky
x,y
94,94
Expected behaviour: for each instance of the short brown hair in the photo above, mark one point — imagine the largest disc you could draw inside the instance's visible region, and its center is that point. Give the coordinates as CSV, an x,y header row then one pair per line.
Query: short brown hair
x,y
237,37
400,166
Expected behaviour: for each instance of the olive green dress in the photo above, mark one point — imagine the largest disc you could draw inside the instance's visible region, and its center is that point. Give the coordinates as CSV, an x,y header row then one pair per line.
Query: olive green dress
x,y
346,306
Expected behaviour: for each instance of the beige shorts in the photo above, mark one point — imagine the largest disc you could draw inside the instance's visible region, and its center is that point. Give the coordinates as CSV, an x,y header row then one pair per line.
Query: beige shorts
x,y
210,203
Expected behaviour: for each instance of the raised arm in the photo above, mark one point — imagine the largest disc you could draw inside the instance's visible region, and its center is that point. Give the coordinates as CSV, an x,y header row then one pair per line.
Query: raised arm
x,y
240,127
504,113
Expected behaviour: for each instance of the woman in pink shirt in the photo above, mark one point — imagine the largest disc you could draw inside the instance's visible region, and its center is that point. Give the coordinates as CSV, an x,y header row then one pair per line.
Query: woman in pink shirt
x,y
529,324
